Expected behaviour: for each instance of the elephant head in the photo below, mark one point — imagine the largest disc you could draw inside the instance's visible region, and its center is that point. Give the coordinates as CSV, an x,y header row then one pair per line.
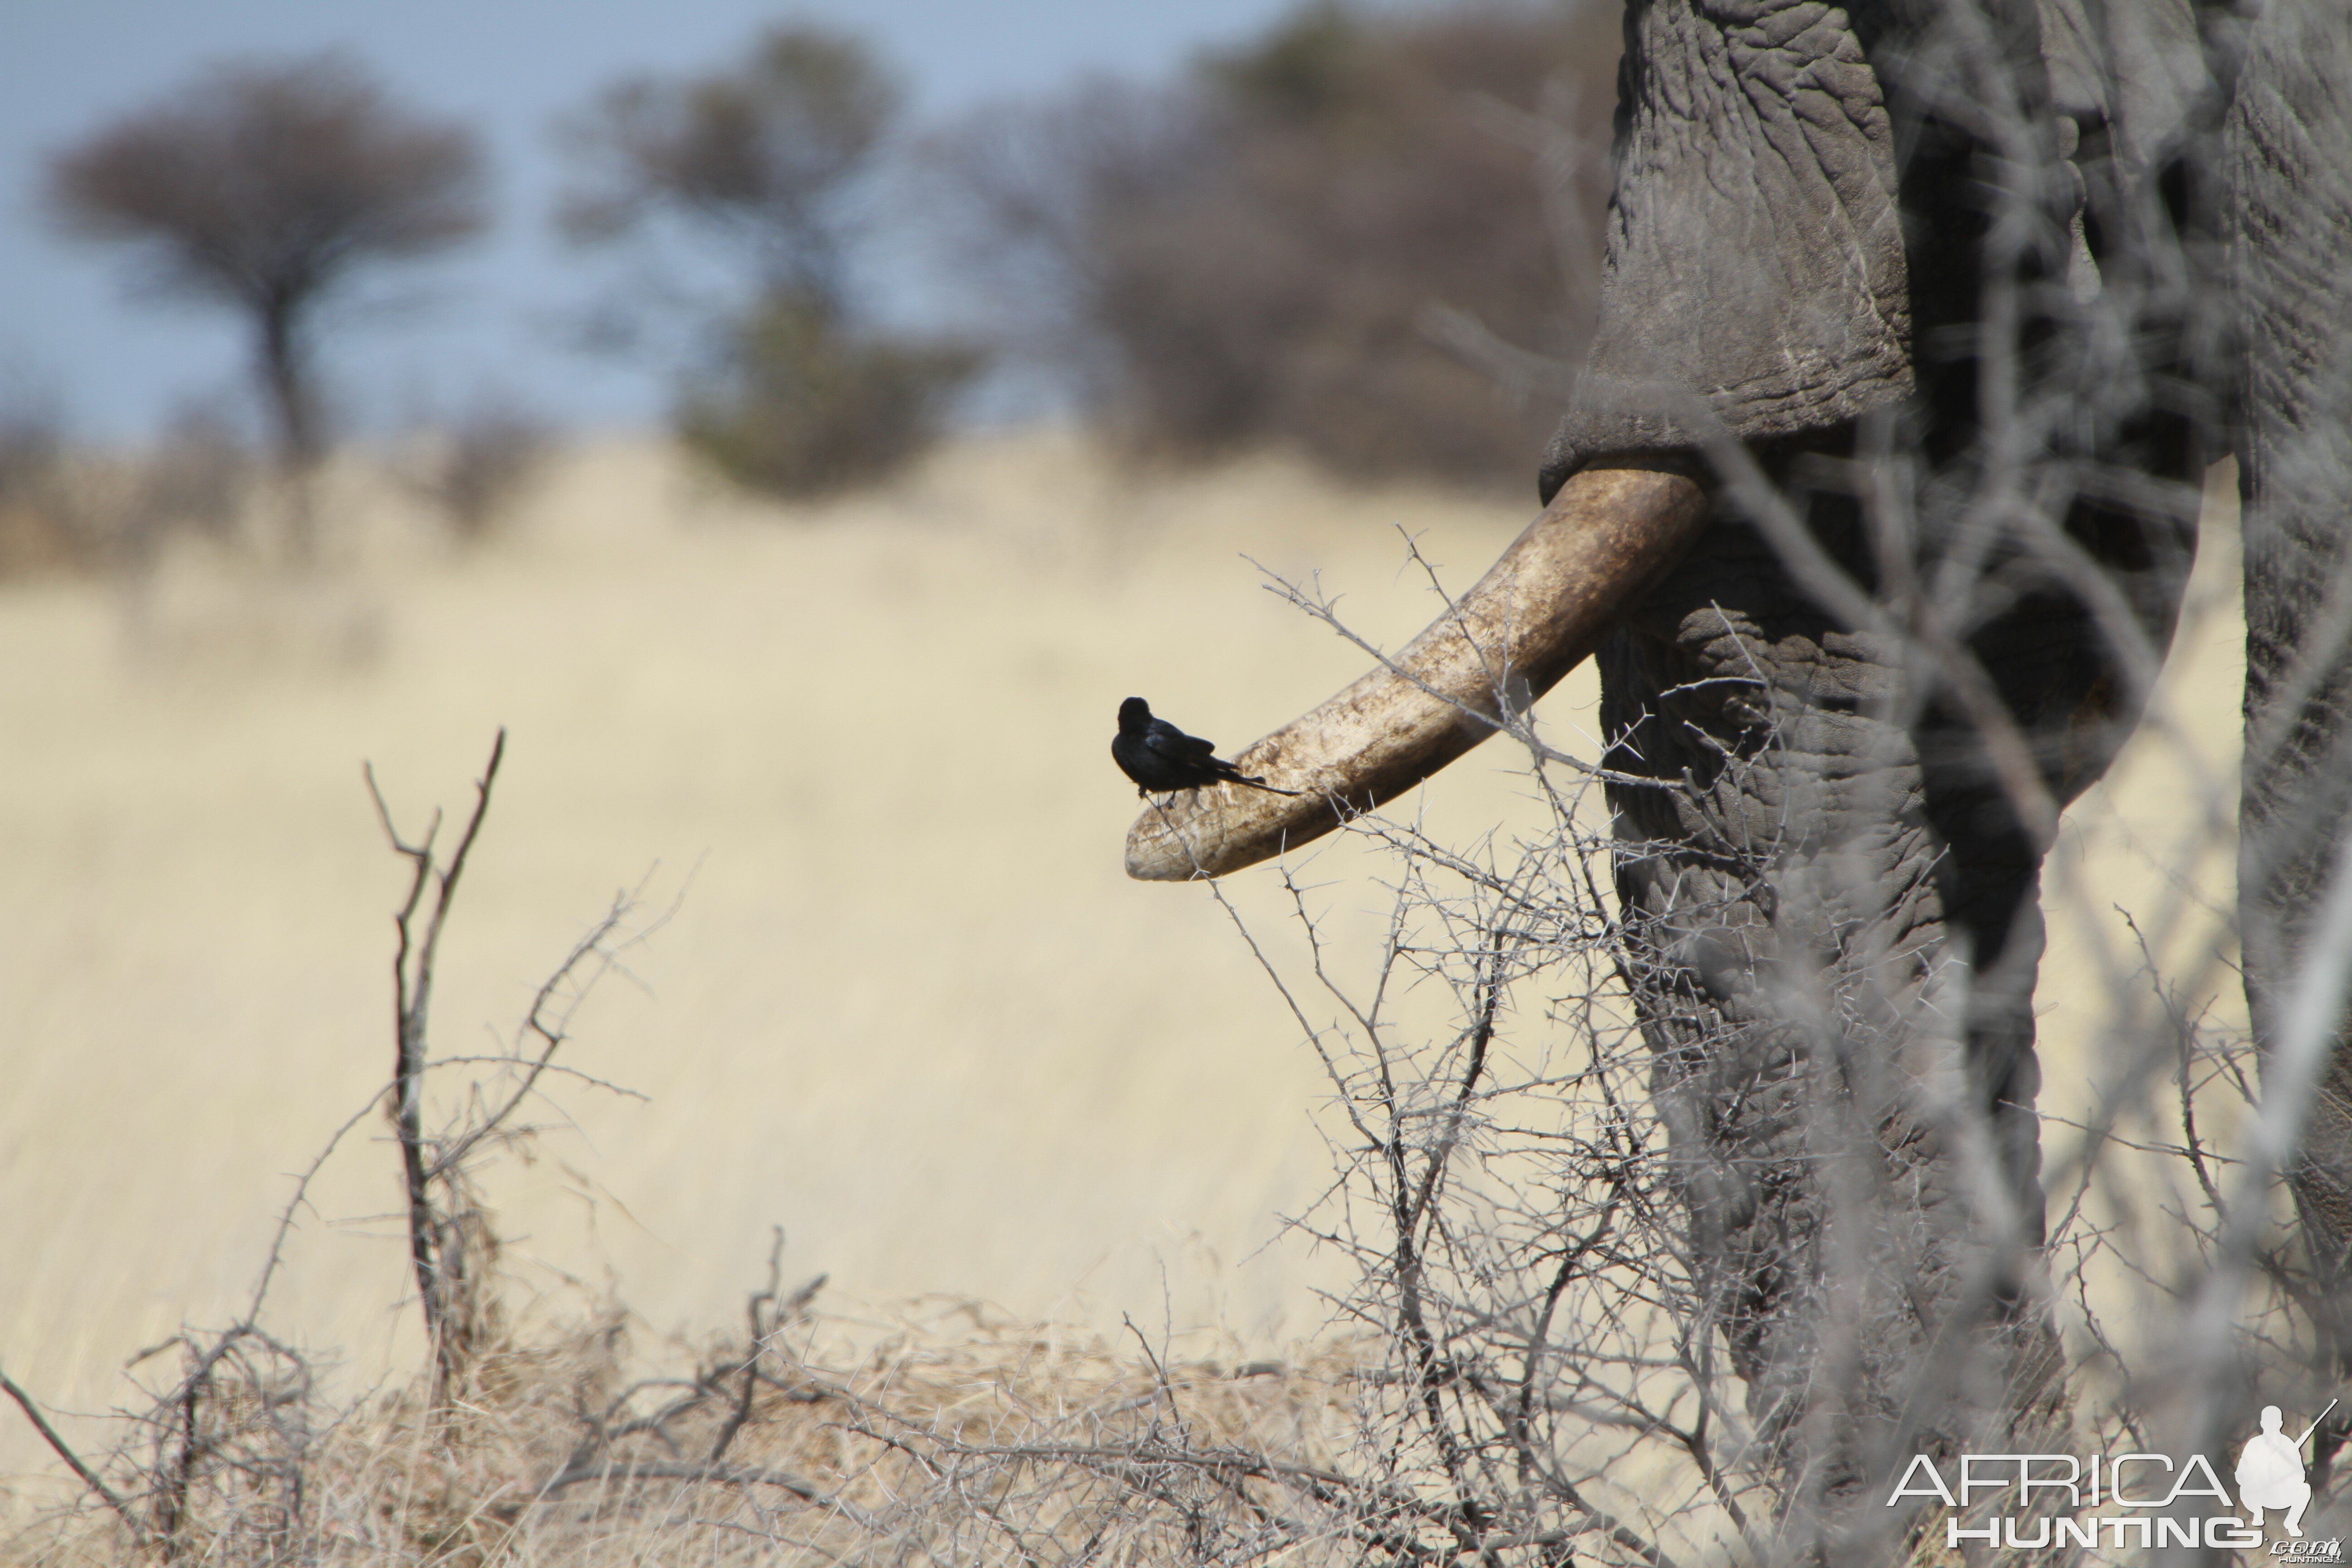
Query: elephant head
x,y
1921,322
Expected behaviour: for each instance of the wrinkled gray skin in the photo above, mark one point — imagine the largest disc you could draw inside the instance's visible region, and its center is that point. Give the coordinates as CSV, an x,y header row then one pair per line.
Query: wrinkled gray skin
x,y
2038,265
2291,227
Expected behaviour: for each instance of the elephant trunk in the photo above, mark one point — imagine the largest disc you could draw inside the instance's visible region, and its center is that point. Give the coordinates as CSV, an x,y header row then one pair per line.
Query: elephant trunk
x,y
1563,585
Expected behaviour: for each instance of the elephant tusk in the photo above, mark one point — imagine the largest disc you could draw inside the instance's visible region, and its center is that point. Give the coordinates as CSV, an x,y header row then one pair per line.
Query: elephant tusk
x,y
1562,586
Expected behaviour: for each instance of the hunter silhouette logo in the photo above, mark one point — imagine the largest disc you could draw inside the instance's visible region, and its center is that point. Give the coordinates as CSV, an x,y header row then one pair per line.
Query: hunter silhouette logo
x,y
2270,1471
2152,1495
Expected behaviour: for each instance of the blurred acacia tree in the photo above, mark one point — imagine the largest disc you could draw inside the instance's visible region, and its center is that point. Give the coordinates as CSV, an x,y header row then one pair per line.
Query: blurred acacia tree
x,y
267,188
773,158
1372,235
802,406
766,155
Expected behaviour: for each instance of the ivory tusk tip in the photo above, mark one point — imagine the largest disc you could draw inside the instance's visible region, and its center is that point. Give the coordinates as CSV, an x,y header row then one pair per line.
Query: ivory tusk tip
x,y
1150,862
1185,839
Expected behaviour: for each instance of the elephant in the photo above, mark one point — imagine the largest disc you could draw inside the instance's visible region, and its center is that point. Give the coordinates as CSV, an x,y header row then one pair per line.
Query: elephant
x,y
1920,325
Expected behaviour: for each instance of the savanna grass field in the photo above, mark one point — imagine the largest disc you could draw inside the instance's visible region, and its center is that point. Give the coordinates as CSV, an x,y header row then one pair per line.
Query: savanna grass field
x,y
894,993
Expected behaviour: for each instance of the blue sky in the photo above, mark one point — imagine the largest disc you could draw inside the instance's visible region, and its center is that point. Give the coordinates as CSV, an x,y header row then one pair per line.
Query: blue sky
x,y
492,318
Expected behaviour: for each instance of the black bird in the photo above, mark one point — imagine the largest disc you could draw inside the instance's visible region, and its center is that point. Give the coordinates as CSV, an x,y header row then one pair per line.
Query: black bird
x,y
1161,758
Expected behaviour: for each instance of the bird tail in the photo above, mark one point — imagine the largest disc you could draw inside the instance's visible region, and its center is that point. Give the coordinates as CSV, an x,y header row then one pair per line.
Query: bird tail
x,y
1260,783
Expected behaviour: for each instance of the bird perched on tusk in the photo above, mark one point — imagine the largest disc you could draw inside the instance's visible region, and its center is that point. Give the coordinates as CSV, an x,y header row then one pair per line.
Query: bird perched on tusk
x,y
1162,759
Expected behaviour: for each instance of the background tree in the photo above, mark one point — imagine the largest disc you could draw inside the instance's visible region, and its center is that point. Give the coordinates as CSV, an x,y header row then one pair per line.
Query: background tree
x,y
268,187
1373,237
774,159
765,157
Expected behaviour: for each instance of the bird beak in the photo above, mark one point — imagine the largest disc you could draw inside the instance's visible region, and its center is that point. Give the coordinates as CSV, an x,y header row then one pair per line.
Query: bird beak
x,y
1563,585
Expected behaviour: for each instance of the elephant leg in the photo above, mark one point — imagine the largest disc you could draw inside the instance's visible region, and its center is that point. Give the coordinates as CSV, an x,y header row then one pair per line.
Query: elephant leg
x,y
1837,994
2290,145
1833,902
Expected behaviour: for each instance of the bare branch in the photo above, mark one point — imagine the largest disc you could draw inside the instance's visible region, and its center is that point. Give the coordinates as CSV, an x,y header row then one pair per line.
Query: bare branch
x,y
59,1446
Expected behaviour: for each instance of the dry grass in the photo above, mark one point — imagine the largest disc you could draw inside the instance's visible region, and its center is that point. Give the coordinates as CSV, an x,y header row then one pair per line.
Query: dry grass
x,y
947,1434
909,1007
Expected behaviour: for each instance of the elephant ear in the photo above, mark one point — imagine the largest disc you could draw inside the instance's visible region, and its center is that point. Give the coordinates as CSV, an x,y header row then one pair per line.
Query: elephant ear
x,y
1754,271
